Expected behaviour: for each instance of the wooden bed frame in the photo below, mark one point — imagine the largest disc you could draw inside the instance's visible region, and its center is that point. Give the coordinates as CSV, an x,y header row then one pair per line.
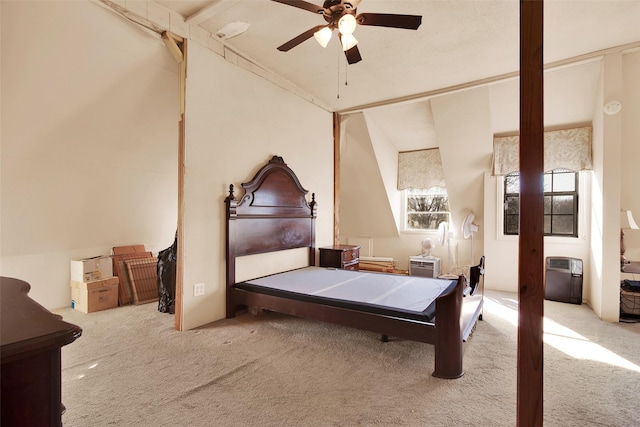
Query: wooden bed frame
x,y
274,215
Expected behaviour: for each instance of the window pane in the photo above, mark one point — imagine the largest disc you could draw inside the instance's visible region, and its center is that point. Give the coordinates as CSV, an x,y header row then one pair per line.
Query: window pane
x,y
512,184
511,224
547,205
426,208
428,203
426,221
564,181
562,205
547,185
512,205
562,224
412,204
559,203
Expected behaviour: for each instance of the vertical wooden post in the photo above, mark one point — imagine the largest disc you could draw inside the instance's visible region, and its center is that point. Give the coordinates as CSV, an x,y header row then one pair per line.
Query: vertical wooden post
x,y
336,178
178,48
531,243
182,81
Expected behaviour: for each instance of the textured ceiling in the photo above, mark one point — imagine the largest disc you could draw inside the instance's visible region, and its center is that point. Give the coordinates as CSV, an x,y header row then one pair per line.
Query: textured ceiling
x,y
459,41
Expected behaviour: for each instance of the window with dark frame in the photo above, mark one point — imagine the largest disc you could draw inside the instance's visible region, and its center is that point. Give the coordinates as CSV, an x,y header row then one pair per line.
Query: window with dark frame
x,y
560,203
426,208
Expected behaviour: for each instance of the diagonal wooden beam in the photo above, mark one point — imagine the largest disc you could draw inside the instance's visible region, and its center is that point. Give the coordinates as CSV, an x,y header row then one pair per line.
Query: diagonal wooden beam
x,y
133,17
531,237
173,47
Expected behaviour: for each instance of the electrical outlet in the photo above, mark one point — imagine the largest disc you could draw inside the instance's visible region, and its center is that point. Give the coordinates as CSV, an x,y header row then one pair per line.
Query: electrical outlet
x,y
198,290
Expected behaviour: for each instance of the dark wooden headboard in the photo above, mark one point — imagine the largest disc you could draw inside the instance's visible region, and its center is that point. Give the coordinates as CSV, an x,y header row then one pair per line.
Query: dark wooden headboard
x,y
273,215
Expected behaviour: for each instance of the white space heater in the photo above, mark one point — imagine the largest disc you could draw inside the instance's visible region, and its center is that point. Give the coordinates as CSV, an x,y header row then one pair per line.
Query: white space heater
x,y
424,266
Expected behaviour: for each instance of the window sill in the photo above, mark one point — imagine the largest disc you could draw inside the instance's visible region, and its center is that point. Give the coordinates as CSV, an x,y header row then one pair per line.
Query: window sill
x,y
556,240
433,233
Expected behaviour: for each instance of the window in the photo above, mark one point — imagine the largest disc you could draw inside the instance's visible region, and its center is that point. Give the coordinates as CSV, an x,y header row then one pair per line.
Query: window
x,y
560,203
426,209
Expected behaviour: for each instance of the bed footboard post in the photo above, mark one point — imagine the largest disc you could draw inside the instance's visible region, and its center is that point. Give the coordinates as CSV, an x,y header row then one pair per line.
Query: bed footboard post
x,y
448,345
231,203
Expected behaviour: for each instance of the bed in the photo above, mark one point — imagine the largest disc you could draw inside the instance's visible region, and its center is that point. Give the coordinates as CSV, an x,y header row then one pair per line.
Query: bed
x,y
275,215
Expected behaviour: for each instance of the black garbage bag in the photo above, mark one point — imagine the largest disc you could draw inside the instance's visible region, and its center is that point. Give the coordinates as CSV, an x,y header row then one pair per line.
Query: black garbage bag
x,y
167,278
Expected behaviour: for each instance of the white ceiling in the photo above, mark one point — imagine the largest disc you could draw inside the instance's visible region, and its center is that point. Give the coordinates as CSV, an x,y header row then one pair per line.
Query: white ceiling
x,y
459,42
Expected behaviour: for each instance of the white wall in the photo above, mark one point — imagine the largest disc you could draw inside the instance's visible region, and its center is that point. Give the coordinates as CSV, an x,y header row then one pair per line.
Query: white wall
x,y
605,238
616,147
235,122
504,249
463,123
90,107
89,140
463,128
364,203
630,168
386,159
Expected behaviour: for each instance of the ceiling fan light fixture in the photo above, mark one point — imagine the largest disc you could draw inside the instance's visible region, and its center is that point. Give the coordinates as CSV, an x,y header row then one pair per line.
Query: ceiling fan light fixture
x,y
323,36
347,24
348,41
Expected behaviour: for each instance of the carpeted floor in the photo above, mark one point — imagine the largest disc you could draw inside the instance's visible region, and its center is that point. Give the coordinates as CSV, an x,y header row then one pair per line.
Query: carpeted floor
x,y
131,368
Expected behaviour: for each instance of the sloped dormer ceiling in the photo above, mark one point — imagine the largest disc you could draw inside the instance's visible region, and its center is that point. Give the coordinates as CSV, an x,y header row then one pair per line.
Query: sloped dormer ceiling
x,y
363,197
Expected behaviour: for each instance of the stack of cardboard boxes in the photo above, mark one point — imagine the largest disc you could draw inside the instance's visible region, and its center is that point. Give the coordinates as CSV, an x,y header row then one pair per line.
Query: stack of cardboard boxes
x,y
93,285
136,269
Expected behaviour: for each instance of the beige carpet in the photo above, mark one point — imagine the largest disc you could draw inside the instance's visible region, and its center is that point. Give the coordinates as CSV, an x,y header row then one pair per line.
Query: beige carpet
x,y
131,368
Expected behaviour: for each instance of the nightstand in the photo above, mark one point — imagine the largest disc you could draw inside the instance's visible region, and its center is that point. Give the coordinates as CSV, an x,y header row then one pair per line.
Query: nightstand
x,y
346,257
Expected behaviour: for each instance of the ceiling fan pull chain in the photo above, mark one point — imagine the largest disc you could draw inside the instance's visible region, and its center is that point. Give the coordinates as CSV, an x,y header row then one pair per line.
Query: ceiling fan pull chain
x,y
346,71
338,81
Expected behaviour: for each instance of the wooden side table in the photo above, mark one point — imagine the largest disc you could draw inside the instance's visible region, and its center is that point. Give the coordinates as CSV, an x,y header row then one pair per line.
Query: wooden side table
x,y
346,257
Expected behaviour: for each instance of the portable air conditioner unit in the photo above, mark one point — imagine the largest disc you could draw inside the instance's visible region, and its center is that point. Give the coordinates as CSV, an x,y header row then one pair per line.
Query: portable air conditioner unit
x,y
424,266
563,280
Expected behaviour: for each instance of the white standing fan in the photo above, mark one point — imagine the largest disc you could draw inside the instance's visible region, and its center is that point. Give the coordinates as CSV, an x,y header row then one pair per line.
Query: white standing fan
x,y
469,228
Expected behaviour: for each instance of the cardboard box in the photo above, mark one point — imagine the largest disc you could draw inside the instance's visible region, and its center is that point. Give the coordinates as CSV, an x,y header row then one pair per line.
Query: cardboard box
x,y
94,268
125,293
94,295
131,249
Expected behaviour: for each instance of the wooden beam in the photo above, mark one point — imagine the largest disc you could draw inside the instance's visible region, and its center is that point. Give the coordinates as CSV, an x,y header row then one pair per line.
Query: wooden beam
x,y
531,237
173,47
133,17
175,37
182,77
336,178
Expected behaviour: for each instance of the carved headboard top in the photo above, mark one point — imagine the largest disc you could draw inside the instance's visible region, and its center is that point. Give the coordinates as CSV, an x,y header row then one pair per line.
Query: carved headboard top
x,y
274,191
273,215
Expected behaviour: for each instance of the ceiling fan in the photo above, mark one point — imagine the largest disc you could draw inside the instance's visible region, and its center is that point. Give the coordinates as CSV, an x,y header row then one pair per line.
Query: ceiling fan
x,y
341,14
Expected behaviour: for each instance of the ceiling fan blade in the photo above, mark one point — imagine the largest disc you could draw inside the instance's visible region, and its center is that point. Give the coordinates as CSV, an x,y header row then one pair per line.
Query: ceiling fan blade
x,y
299,39
353,55
302,5
408,22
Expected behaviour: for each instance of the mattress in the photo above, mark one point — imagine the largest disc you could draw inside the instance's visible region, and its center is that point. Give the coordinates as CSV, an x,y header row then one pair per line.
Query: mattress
x,y
408,297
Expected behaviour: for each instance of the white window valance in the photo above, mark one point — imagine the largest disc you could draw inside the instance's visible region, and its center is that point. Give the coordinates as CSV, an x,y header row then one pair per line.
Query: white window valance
x,y
420,169
563,149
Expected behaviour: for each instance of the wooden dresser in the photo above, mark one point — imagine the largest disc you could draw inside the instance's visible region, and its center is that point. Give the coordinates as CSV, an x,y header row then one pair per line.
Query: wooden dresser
x,y
31,338
346,257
